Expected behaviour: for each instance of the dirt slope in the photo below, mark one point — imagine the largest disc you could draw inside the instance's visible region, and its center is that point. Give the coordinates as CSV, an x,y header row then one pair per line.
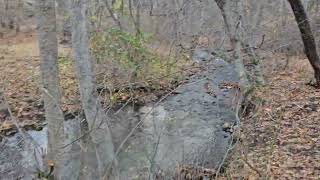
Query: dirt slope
x,y
281,140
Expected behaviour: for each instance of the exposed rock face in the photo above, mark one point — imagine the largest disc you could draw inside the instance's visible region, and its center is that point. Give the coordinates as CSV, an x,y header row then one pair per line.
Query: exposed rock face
x,y
201,55
186,128
21,155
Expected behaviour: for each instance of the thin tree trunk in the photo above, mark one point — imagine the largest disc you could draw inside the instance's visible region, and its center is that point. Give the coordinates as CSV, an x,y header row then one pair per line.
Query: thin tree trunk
x,y
232,14
98,154
307,37
50,82
2,14
136,21
18,16
248,31
64,19
237,7
223,6
113,15
6,14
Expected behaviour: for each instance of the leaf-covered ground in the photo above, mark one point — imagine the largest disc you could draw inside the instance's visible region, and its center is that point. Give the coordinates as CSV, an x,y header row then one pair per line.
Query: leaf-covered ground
x,y
281,138
19,85
20,80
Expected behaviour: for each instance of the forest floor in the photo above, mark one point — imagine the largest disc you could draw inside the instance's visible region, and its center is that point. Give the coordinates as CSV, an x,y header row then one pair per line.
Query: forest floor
x,y
20,79
280,139
19,89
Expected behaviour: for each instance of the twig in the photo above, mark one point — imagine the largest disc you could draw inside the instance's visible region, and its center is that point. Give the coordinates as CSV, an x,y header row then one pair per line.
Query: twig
x,y
153,158
245,160
231,146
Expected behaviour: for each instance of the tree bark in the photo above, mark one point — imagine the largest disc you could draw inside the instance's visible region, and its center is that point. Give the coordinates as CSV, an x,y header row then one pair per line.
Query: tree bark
x,y
113,15
231,12
223,5
98,153
4,21
307,37
50,82
136,21
248,30
64,19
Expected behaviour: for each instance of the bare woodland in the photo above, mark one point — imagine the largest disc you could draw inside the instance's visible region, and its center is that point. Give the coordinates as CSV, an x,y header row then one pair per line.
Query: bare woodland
x,y
159,89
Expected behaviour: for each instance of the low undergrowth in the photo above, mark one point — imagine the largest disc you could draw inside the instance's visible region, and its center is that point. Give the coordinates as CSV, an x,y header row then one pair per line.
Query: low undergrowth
x,y
127,68
127,71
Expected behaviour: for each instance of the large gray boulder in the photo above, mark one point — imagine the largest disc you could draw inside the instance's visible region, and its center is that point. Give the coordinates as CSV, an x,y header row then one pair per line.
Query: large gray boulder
x,y
186,128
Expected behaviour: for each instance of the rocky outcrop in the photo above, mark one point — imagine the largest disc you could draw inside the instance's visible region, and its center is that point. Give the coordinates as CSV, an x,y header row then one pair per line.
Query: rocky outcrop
x,y
186,128
191,127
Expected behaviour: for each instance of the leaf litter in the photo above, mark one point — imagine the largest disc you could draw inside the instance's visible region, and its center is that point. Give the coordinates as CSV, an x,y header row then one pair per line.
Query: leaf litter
x,y
280,139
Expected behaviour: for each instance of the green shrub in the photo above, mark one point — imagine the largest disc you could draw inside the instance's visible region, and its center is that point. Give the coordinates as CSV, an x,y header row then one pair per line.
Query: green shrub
x,y
131,54
125,49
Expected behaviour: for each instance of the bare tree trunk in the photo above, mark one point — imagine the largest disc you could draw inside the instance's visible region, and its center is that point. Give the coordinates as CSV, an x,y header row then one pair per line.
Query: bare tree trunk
x,y
136,21
50,82
307,37
98,154
113,15
5,17
19,15
2,14
237,16
223,6
232,14
248,30
64,19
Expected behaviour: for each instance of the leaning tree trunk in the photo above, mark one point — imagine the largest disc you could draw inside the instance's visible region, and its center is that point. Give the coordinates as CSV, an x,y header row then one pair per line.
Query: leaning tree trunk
x,y
307,37
50,82
98,153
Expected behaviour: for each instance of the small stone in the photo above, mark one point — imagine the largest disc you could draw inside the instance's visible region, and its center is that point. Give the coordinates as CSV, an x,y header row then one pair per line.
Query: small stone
x,y
226,126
